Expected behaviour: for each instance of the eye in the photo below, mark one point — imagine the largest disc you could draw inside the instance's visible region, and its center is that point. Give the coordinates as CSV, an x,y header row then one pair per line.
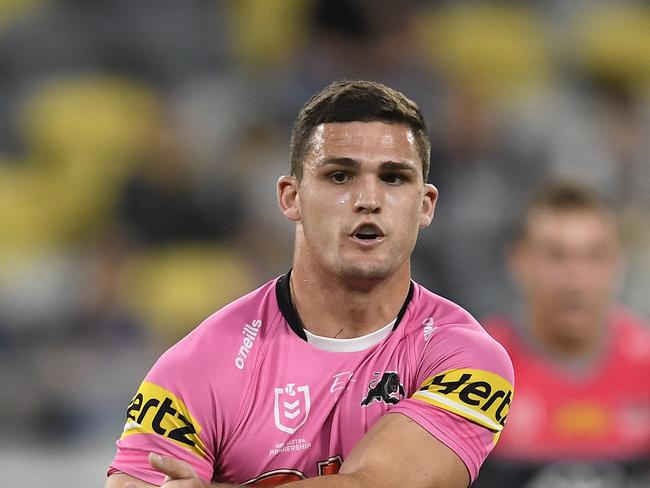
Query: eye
x,y
338,177
393,178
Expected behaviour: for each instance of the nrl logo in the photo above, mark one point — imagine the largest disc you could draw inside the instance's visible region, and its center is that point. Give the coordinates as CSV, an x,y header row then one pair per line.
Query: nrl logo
x,y
387,389
291,407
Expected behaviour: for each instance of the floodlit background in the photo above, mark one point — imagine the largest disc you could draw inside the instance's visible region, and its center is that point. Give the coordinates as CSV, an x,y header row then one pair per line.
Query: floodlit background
x,y
140,142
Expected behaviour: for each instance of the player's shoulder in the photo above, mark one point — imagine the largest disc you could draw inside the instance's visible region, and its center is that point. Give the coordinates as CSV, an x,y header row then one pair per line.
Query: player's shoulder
x,y
442,310
458,337
240,322
448,320
258,305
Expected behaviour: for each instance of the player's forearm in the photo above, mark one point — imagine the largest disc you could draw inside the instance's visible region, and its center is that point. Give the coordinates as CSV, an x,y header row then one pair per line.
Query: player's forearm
x,y
334,481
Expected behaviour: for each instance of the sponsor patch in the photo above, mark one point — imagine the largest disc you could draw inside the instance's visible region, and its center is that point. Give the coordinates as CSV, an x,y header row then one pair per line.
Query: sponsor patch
x,y
477,395
155,410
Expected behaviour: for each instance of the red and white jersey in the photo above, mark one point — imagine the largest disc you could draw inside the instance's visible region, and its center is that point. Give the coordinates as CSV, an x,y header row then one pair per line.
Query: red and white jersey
x,y
246,398
575,422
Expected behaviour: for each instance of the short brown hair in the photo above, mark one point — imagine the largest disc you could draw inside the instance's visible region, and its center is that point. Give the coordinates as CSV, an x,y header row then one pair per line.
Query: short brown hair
x,y
357,101
563,195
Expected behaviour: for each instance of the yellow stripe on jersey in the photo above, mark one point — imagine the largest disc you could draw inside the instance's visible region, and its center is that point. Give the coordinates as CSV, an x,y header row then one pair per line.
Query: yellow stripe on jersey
x,y
477,395
155,410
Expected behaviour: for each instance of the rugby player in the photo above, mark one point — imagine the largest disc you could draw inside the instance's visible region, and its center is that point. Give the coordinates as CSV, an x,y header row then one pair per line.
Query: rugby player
x,y
343,366
582,360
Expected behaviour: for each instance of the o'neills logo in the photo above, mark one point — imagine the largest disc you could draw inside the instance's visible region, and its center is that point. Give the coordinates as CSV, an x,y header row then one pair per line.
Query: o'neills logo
x,y
250,332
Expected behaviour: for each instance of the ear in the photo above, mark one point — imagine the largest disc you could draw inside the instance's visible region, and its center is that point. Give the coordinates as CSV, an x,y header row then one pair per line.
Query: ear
x,y
288,198
429,200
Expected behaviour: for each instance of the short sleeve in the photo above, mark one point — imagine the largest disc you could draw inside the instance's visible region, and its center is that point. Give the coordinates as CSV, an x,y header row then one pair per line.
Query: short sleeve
x,y
465,387
169,415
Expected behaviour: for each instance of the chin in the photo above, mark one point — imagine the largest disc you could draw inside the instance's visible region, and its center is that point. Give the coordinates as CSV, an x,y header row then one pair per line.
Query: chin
x,y
575,329
369,272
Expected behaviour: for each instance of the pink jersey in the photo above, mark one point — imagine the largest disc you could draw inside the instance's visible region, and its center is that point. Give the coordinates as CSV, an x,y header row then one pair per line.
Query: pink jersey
x,y
246,399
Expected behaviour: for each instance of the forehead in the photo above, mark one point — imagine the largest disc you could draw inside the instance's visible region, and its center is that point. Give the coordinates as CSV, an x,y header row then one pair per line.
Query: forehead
x,y
375,140
570,226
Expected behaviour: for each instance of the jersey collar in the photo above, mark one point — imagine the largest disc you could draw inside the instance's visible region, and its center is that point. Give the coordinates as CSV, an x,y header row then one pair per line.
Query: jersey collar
x,y
283,296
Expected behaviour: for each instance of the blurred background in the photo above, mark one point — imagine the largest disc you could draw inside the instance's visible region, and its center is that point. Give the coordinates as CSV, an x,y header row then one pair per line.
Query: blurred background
x,y
140,142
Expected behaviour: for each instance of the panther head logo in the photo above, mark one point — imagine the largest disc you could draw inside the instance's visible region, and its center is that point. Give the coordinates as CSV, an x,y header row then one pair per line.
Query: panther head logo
x,y
387,389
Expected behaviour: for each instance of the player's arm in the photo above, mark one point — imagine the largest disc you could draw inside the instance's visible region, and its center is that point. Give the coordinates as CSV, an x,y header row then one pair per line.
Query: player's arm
x,y
396,452
120,480
179,472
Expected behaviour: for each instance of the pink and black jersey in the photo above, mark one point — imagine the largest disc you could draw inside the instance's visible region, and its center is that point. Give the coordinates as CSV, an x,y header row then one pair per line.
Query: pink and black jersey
x,y
249,398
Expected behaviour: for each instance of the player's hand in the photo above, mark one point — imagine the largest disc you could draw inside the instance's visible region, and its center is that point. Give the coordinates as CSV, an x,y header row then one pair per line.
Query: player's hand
x,y
178,473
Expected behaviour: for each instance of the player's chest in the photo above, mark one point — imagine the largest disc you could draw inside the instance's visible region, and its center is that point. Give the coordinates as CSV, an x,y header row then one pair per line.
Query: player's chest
x,y
292,397
556,409
302,414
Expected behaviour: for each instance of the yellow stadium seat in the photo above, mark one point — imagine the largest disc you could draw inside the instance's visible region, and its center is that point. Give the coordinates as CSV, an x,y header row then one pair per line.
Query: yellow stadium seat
x,y
267,33
83,135
25,209
11,10
175,288
101,119
495,50
614,40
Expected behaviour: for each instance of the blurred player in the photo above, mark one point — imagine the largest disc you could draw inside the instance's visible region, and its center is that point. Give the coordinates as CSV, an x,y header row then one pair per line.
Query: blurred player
x,y
296,379
582,416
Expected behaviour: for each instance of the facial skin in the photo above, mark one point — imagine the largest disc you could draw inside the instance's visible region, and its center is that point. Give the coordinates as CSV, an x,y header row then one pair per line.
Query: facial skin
x,y
567,265
358,174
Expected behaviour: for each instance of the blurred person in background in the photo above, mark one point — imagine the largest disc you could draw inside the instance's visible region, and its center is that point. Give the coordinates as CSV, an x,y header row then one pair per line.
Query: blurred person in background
x,y
582,413
297,379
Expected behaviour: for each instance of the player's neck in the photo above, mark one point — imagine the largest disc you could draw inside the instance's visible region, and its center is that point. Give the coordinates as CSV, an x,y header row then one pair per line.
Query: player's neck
x,y
560,341
330,306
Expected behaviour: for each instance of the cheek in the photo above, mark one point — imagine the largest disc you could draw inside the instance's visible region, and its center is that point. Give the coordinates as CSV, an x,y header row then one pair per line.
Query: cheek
x,y
343,200
323,214
603,278
542,276
407,210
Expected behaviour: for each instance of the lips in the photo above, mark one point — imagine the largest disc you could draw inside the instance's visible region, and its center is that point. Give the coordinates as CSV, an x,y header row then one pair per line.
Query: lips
x,y
367,231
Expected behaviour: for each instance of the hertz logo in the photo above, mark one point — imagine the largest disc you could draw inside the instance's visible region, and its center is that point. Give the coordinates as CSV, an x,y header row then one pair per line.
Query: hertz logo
x,y
155,410
477,395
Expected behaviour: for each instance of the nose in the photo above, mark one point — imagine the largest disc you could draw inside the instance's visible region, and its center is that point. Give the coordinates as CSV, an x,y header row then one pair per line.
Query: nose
x,y
368,198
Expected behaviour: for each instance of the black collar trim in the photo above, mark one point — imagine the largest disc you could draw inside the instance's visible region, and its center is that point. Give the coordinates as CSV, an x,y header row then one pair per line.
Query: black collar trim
x,y
283,296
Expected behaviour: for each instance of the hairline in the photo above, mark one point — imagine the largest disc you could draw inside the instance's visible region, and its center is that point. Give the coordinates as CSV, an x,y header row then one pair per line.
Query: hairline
x,y
595,208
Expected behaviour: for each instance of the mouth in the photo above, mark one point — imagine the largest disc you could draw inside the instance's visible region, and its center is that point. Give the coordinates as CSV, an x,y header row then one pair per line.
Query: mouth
x,y
367,233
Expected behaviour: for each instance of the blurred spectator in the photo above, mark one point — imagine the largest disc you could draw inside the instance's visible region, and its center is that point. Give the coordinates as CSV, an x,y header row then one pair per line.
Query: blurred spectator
x,y
595,129
161,201
581,415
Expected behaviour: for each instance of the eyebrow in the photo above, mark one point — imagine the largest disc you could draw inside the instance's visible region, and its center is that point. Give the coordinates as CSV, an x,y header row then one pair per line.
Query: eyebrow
x,y
397,166
353,163
333,160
